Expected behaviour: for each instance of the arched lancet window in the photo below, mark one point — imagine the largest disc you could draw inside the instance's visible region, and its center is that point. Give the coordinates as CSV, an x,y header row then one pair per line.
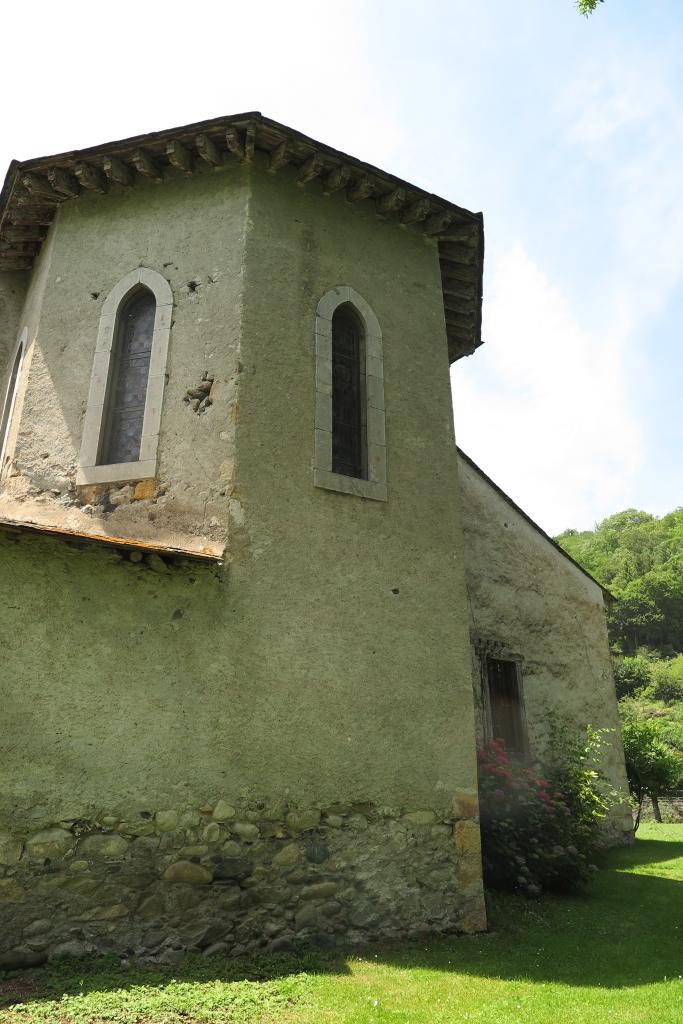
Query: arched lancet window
x,y
11,396
349,446
129,373
123,416
350,441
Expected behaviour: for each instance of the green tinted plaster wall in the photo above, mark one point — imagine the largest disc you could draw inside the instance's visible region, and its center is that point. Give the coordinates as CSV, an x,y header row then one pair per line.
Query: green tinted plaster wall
x,y
365,636
529,602
328,658
193,234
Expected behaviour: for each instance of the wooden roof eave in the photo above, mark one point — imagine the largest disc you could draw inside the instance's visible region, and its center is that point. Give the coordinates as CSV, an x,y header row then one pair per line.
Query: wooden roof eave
x,y
35,188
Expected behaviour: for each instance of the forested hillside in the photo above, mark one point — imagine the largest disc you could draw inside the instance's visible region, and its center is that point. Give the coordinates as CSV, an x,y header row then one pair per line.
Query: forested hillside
x,y
639,558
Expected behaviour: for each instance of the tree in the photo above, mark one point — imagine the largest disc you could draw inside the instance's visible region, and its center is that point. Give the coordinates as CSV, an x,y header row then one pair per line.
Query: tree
x,y
666,680
587,7
654,769
639,558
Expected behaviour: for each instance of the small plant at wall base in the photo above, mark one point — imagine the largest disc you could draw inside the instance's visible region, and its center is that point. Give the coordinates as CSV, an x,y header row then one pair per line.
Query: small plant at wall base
x,y
539,831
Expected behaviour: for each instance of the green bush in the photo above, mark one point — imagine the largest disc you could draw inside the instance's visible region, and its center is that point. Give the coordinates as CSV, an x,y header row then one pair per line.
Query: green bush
x,y
538,832
666,681
631,675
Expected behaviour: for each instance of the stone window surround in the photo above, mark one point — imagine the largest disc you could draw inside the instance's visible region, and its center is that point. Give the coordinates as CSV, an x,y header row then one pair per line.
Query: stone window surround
x,y
8,406
376,484
89,472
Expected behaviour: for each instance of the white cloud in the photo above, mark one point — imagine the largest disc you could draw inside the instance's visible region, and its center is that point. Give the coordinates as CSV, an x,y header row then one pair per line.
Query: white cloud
x,y
626,128
155,65
545,412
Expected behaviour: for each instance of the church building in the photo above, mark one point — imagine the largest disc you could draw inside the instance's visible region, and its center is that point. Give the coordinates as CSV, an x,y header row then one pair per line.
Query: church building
x,y
256,609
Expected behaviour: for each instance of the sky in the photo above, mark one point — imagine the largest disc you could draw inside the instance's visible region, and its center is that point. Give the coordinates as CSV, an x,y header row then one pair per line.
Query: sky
x,y
566,132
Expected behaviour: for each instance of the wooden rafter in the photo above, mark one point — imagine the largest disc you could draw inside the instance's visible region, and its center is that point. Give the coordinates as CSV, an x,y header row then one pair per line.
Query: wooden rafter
x,y
392,201
336,179
24,232
15,247
146,165
117,171
39,188
279,156
208,150
416,212
249,142
456,253
40,216
64,182
179,155
16,263
234,142
361,189
458,273
436,223
91,177
310,168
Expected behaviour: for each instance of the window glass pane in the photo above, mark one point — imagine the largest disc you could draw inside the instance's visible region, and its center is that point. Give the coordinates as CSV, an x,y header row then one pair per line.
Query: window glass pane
x,y
506,708
348,395
128,381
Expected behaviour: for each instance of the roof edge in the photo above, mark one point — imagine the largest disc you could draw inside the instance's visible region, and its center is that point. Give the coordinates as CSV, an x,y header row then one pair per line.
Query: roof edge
x,y
35,188
513,504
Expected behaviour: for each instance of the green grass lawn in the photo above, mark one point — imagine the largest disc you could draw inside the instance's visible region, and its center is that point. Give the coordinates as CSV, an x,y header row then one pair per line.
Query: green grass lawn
x,y
613,955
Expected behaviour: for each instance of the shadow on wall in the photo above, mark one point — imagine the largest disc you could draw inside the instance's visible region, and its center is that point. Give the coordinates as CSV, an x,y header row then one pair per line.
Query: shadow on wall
x,y
624,931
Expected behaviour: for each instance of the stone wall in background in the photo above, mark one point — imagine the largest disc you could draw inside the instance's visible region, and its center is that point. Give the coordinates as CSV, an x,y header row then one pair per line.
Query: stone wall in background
x,y
234,877
670,808
530,603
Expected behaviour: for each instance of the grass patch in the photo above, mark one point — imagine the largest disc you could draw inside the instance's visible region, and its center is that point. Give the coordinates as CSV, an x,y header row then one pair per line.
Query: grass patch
x,y
612,954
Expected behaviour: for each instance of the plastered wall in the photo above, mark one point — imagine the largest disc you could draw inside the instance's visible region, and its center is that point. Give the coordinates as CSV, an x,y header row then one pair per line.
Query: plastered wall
x,y
528,602
194,236
340,617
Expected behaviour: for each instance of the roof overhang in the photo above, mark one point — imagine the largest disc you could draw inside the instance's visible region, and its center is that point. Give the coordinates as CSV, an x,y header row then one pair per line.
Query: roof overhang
x,y
34,189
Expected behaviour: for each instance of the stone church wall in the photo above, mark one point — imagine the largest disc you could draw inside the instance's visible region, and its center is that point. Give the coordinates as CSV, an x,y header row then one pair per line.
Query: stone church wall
x,y
279,744
531,604
158,796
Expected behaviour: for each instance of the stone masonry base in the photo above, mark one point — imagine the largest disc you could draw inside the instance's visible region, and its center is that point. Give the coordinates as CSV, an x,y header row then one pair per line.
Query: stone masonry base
x,y
234,877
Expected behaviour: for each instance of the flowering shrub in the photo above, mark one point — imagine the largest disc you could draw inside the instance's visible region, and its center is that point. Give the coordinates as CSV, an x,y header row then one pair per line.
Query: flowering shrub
x,y
538,832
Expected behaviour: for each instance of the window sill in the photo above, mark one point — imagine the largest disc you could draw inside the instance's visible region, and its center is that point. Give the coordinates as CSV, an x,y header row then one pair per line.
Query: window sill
x,y
350,485
119,473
